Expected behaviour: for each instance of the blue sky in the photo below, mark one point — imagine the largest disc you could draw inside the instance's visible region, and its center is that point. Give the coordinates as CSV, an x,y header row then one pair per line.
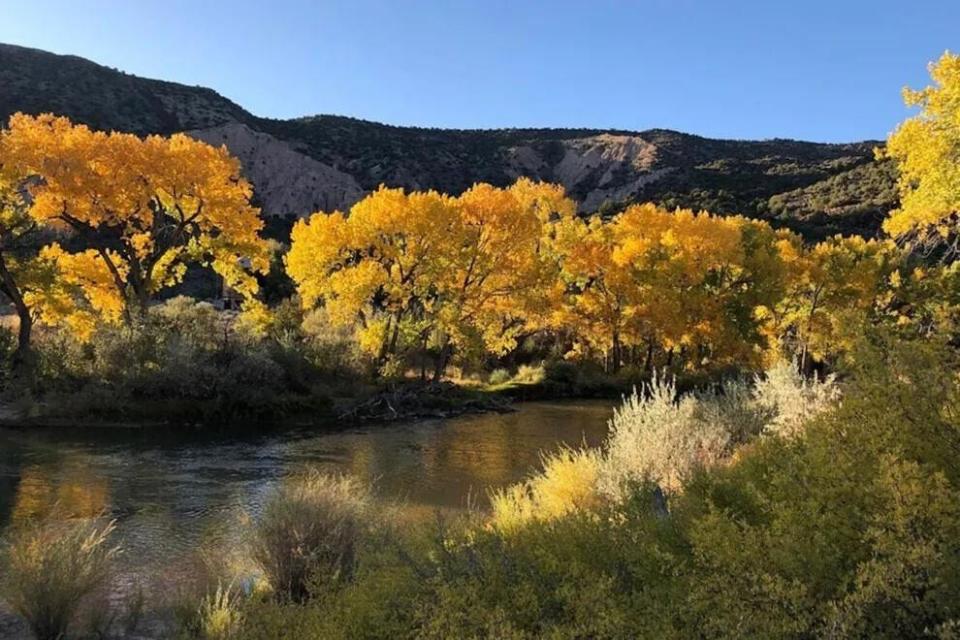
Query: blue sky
x,y
829,71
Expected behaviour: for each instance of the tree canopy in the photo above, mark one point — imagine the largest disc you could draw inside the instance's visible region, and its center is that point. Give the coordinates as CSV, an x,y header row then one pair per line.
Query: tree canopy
x,y
138,210
926,149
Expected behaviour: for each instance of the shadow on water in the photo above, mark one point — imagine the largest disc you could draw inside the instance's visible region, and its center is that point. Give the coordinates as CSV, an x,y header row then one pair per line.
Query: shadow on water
x,y
172,490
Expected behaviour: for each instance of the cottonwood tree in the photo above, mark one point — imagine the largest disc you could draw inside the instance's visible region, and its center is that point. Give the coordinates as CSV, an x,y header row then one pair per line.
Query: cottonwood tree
x,y
462,273
377,267
926,149
499,266
831,290
599,294
675,283
23,273
142,209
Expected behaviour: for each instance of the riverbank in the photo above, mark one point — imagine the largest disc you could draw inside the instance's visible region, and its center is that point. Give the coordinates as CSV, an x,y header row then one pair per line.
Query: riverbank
x,y
572,542
175,493
338,404
389,403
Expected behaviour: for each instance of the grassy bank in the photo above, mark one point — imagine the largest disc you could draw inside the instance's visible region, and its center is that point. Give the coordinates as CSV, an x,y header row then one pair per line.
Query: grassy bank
x,y
781,506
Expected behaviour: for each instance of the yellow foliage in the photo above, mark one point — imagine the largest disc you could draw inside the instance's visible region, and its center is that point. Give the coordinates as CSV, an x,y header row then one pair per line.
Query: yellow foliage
x,y
677,283
925,148
255,318
568,483
832,288
145,207
86,271
421,264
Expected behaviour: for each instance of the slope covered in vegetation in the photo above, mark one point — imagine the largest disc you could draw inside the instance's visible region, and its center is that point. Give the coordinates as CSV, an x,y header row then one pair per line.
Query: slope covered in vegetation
x,y
600,168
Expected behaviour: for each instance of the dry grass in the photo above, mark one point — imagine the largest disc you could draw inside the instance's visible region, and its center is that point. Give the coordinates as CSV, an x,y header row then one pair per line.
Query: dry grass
x,y
308,536
53,568
218,617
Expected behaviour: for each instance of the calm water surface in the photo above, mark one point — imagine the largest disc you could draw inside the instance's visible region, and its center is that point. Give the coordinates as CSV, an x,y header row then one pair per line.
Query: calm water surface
x,y
172,491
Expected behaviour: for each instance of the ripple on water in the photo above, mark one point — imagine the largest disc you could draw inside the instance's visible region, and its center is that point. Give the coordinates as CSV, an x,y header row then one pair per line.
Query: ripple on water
x,y
173,492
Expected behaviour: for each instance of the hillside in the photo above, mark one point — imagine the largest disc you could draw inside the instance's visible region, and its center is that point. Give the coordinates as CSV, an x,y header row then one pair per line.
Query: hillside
x,y
326,162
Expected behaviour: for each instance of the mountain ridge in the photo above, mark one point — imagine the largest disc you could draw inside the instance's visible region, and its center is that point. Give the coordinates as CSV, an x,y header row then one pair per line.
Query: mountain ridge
x,y
327,161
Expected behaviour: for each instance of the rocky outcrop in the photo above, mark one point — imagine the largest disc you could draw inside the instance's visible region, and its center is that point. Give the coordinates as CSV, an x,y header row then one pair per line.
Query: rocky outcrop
x,y
285,181
596,169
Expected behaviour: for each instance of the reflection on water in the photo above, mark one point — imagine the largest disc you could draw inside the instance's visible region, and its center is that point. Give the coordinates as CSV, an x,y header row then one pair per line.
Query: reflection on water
x,y
173,491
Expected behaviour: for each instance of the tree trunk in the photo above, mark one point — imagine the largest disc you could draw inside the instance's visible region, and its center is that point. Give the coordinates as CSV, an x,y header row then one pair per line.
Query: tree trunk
x,y
616,352
385,345
396,334
143,304
423,359
442,358
23,358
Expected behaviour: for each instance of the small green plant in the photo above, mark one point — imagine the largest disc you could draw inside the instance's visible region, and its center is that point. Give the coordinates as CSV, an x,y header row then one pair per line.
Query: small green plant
x,y
53,568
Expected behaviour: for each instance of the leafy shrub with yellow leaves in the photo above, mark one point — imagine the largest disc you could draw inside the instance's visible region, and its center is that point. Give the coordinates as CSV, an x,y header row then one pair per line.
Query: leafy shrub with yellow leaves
x,y
567,483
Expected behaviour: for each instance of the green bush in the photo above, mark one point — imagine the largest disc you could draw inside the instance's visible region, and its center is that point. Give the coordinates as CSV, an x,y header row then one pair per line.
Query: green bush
x,y
333,348
562,373
848,527
186,363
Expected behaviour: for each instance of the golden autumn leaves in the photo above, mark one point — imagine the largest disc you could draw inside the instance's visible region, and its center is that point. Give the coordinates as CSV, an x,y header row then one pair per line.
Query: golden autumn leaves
x,y
464,273
137,211
926,149
648,287
121,217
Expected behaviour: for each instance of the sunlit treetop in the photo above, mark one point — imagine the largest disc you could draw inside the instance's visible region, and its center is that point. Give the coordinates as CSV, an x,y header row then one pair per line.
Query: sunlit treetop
x,y
926,149
146,207
460,271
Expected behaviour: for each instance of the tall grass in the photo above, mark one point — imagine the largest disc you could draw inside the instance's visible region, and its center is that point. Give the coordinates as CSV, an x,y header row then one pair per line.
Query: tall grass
x,y
308,536
218,617
53,568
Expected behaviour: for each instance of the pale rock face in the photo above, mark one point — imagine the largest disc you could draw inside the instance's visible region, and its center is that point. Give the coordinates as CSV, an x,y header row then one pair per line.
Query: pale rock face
x,y
619,193
286,181
606,152
616,167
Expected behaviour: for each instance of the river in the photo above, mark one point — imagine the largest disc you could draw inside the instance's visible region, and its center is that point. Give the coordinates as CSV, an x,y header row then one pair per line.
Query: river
x,y
172,491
